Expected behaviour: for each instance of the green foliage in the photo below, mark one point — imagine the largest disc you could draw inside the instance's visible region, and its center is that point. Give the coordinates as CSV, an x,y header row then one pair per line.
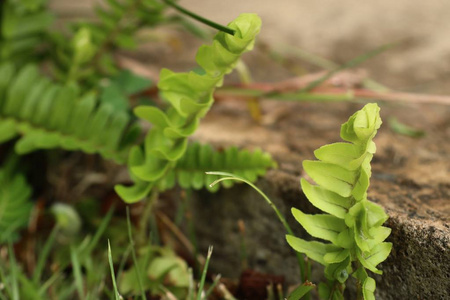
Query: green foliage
x,y
121,87
352,225
90,52
23,26
190,170
161,267
190,96
47,115
15,204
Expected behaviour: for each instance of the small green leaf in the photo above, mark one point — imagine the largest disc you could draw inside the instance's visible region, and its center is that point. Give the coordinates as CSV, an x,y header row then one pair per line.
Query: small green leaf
x,y
336,256
82,46
378,254
135,193
338,271
404,129
345,155
325,227
301,291
326,200
331,176
368,289
314,250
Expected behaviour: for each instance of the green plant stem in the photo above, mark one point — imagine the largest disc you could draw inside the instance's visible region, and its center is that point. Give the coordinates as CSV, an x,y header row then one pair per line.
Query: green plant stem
x,y
299,96
43,255
113,32
205,271
229,176
14,272
143,224
200,18
113,276
133,253
350,64
212,286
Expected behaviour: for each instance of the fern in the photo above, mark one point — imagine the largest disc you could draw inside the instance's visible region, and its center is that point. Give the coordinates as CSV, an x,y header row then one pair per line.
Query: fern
x,y
23,25
190,170
89,55
352,224
15,204
190,96
48,115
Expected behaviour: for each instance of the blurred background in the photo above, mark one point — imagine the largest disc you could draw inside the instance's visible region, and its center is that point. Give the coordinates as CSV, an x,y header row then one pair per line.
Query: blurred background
x,y
340,31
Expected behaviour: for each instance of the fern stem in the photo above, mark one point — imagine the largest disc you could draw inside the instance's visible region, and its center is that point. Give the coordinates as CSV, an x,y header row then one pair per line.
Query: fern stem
x,y
143,225
200,18
113,32
301,263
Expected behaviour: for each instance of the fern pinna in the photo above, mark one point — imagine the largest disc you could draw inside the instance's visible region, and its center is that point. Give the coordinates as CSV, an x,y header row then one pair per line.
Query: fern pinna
x,y
47,115
352,224
190,96
23,26
15,204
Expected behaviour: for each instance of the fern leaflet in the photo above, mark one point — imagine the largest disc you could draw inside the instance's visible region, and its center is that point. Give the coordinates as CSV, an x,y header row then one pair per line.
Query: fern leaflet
x,y
23,24
15,204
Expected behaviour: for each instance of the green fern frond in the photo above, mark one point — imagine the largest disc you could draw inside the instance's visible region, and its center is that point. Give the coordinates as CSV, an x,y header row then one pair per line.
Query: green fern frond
x,y
190,170
47,115
23,25
352,224
15,204
190,96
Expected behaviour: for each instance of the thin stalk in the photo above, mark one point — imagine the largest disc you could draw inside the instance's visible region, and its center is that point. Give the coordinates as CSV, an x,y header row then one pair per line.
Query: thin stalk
x,y
200,18
43,255
230,176
133,253
350,64
253,103
113,276
143,224
287,96
190,295
14,272
213,286
205,271
76,269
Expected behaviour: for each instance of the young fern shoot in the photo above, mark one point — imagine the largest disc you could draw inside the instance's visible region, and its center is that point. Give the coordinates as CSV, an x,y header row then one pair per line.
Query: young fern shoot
x,y
352,224
190,96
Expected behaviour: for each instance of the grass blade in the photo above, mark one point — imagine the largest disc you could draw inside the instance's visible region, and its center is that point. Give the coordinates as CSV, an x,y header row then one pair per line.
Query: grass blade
x,y
301,291
213,286
43,255
133,253
14,270
113,276
101,229
47,284
191,295
350,64
205,271
76,267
